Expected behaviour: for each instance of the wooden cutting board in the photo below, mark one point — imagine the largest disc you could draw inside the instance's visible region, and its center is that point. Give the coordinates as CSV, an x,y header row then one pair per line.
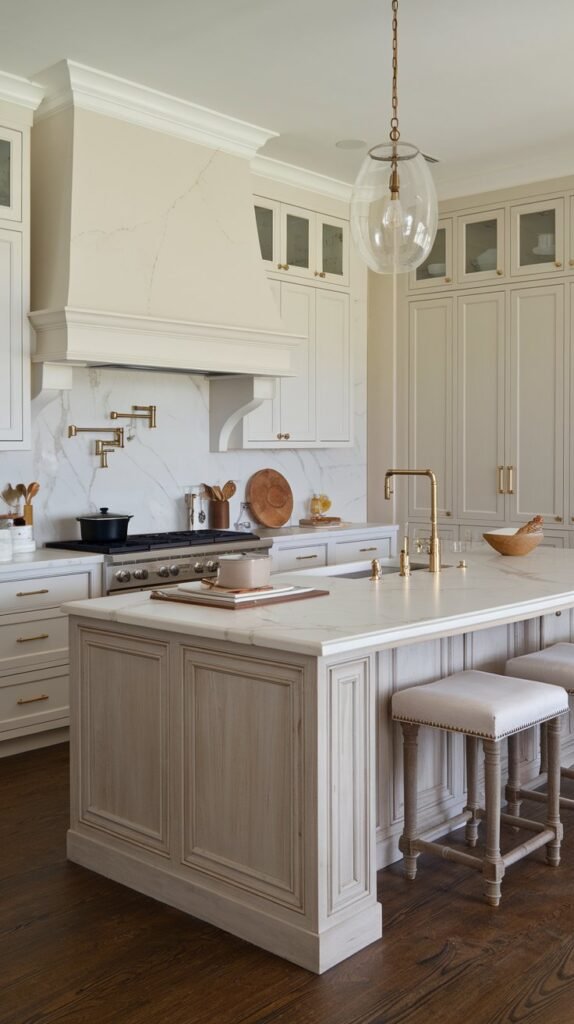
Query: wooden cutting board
x,y
270,498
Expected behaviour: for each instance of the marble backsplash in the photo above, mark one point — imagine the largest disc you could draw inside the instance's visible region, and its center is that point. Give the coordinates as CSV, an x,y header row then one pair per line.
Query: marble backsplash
x,y
149,476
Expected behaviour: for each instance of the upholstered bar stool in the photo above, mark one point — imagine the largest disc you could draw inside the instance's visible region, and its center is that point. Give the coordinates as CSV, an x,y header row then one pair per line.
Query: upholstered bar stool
x,y
554,665
490,708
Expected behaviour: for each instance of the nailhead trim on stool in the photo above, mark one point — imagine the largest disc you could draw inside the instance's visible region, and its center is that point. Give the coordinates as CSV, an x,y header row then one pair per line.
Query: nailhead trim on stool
x,y
489,707
554,665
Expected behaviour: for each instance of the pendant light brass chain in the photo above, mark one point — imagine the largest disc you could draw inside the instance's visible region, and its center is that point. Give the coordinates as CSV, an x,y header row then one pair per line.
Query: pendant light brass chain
x,y
394,133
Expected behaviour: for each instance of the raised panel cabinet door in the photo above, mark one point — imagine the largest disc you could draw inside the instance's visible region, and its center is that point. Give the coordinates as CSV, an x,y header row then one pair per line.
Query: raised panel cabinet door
x,y
481,247
430,402
537,237
332,366
298,419
264,423
10,174
437,269
14,356
535,453
480,352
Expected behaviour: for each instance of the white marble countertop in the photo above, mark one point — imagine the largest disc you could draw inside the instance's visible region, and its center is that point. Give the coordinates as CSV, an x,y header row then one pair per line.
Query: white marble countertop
x,y
47,558
295,533
358,614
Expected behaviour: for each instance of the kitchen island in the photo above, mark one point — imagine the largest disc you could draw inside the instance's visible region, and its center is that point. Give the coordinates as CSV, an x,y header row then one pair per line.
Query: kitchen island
x,y
241,765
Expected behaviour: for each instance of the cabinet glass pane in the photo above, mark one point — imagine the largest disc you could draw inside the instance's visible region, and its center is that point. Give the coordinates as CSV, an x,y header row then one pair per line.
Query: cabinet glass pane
x,y
5,197
435,263
332,249
537,237
480,246
264,219
297,241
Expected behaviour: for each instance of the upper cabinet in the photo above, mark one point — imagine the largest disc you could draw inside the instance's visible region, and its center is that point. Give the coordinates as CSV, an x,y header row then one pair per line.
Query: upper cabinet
x,y
437,269
10,174
537,237
481,247
302,243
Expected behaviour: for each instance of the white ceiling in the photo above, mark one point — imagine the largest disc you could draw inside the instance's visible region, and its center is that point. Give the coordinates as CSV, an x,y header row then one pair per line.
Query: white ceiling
x,y
484,85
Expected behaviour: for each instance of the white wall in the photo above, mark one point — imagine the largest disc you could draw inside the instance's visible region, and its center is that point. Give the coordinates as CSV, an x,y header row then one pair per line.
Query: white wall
x,y
148,477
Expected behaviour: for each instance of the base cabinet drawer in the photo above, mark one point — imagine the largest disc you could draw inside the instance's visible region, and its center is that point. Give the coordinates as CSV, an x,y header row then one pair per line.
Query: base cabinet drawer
x,y
360,550
34,698
25,644
300,558
38,592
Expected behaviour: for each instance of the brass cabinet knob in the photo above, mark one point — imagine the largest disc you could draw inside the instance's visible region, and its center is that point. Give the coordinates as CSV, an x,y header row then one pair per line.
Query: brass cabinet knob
x,y
557,263
500,272
322,274
282,266
279,437
286,437
447,280
557,519
571,262
316,273
285,266
448,513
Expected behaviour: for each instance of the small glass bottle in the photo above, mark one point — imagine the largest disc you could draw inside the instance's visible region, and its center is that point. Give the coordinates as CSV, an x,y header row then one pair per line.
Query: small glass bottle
x,y
244,522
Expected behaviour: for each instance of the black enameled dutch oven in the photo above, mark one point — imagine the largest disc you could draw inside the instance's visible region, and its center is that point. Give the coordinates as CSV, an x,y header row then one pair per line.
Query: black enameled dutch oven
x,y
103,527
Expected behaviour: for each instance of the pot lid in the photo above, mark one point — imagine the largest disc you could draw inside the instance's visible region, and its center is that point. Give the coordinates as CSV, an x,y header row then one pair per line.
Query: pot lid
x,y
103,514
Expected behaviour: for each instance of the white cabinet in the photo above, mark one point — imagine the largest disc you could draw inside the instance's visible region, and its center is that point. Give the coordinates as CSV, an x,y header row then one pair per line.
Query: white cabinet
x,y
537,237
481,247
480,407
298,549
312,408
302,243
14,288
437,269
34,647
431,401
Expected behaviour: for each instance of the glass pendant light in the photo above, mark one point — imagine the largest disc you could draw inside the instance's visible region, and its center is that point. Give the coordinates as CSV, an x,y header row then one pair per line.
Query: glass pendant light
x,y
394,209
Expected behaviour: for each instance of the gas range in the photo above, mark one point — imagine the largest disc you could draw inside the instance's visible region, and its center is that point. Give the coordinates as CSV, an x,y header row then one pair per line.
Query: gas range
x,y
153,559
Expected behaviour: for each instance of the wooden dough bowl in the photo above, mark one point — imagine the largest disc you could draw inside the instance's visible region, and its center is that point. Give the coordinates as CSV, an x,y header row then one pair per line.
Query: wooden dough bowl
x,y
270,498
513,543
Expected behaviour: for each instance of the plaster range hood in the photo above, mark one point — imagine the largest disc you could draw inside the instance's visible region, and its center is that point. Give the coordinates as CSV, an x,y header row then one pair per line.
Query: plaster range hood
x,y
144,244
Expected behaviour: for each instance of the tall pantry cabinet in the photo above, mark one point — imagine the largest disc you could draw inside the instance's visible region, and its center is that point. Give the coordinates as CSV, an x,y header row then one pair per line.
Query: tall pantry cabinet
x,y
488,332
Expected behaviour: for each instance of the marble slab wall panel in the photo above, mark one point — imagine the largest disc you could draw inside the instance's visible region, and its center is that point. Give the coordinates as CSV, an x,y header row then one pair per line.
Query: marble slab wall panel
x,y
149,476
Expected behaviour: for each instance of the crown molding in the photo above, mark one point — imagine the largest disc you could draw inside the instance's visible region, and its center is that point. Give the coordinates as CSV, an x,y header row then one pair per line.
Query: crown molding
x,y
301,177
519,169
68,84
19,90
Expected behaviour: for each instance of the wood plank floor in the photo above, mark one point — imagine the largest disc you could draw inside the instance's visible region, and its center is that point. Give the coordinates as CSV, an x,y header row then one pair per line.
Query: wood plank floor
x,y
78,949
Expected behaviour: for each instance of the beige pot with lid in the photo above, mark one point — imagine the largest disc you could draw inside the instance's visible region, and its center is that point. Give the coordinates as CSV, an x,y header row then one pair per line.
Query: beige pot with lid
x,y
239,572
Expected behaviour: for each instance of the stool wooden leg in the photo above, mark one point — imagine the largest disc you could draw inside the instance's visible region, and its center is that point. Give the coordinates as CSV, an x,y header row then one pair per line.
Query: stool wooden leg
x,y
513,784
543,749
553,791
493,870
472,803
410,756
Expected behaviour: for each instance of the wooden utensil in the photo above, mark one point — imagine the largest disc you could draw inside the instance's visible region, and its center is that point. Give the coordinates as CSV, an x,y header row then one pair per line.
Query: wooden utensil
x,y
10,495
270,497
228,490
209,491
21,488
217,493
31,491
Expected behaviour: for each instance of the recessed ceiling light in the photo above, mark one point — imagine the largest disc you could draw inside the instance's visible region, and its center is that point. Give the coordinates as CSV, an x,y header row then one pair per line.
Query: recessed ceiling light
x,y
351,144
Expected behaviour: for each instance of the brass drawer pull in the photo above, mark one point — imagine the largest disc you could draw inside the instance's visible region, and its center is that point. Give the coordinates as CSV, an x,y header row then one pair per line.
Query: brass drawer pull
x,y
500,471
557,519
510,480
301,558
31,700
26,639
368,549
31,593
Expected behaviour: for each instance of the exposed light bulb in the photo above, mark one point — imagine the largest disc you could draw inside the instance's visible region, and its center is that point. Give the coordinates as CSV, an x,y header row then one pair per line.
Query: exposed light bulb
x,y
393,217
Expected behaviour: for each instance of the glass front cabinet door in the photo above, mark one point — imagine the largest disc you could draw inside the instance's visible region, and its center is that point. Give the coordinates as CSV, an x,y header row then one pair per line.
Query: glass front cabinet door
x,y
332,249
267,221
437,268
298,241
537,237
481,246
10,174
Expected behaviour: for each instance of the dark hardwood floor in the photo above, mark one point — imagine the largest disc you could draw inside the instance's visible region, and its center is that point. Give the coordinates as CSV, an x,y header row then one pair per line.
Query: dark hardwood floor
x,y
78,949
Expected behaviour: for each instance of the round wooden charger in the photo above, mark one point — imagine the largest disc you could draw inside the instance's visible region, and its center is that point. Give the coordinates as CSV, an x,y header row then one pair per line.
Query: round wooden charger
x,y
270,498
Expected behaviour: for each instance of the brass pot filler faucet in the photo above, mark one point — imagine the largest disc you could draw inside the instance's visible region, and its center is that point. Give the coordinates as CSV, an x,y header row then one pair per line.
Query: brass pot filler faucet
x,y
434,554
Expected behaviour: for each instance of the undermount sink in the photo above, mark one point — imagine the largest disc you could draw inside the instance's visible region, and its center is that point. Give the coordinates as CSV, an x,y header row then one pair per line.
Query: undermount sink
x,y
361,574
363,570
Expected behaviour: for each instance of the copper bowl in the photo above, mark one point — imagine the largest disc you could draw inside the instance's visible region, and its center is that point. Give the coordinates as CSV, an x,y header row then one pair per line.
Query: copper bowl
x,y
509,542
